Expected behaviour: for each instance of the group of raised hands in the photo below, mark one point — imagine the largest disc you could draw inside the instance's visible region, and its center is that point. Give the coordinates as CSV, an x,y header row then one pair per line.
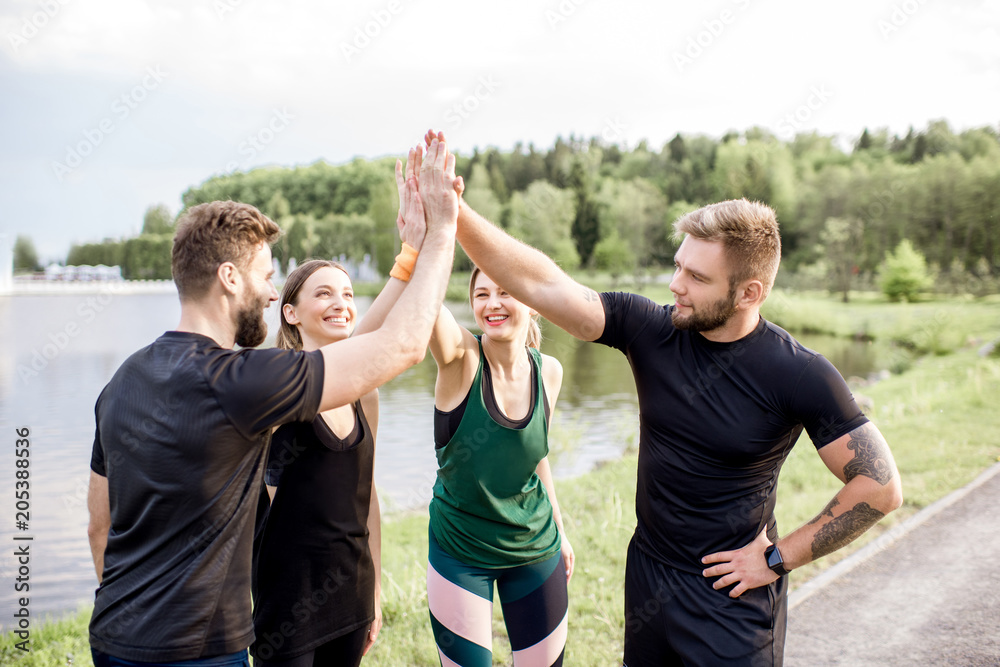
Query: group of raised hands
x,y
429,191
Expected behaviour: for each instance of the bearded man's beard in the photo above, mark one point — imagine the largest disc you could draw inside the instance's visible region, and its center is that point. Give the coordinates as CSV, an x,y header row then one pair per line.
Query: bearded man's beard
x,y
251,329
713,317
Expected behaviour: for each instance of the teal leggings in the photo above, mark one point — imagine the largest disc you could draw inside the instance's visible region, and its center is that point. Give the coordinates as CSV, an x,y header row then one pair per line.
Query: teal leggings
x,y
533,598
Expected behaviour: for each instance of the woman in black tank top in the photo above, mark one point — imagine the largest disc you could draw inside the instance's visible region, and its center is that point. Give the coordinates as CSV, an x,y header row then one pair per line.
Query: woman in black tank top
x,y
318,542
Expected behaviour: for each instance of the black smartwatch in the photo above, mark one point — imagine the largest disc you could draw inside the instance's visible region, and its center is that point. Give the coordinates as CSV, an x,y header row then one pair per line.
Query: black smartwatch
x,y
774,560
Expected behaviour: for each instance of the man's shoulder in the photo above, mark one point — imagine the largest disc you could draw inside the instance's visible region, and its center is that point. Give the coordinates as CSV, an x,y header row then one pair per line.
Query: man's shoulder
x,y
635,307
793,364
631,299
783,345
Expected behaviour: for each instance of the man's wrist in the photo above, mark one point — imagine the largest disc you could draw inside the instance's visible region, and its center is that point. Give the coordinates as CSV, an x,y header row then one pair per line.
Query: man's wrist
x,y
775,561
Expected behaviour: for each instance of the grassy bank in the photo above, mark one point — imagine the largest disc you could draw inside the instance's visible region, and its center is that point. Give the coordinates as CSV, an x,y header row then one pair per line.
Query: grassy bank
x,y
939,417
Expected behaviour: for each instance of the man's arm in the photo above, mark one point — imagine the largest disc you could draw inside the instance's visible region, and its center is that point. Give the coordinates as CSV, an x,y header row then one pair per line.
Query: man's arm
x,y
99,508
356,366
862,461
530,276
526,273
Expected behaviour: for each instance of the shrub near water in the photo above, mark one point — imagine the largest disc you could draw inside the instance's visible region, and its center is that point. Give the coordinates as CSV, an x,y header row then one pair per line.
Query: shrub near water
x,y
903,275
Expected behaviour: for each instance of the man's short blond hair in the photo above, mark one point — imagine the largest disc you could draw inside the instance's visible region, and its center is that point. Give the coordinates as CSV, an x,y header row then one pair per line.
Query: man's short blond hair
x,y
749,235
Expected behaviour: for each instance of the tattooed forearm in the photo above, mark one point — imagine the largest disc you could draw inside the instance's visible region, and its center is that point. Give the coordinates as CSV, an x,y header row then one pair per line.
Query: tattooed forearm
x,y
827,511
871,455
844,529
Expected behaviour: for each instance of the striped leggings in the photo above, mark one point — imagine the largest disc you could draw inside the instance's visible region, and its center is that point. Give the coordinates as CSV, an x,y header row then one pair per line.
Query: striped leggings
x,y
534,602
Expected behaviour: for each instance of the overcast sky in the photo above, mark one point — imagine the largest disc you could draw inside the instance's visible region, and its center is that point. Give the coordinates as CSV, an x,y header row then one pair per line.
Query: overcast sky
x,y
110,106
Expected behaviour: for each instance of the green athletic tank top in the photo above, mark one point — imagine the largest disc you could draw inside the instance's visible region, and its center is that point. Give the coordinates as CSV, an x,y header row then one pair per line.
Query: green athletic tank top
x,y
489,508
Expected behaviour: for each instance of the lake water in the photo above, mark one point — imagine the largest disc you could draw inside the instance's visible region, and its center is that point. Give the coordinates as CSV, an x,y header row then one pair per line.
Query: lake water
x,y
58,351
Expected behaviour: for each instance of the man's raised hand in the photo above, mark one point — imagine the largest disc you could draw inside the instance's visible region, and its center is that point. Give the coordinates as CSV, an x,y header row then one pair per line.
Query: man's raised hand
x,y
437,186
459,182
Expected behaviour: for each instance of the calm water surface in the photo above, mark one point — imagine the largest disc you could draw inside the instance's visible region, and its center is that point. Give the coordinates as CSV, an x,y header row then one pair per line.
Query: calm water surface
x,y
58,352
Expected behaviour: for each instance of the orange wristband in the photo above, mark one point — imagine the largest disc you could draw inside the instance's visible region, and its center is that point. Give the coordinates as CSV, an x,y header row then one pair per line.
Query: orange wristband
x,y
405,261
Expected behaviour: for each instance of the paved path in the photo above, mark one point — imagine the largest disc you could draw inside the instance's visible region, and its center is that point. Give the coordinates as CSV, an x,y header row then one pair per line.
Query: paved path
x,y
926,593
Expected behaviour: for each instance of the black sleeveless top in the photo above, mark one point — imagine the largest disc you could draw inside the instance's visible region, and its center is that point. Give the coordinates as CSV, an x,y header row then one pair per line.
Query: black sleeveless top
x,y
313,566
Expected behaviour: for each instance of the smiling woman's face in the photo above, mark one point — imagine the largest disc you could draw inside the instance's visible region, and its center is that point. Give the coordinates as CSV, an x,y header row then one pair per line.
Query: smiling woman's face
x,y
498,314
325,311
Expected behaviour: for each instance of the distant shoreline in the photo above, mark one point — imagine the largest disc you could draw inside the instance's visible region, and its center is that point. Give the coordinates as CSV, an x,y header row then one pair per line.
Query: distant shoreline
x,y
57,287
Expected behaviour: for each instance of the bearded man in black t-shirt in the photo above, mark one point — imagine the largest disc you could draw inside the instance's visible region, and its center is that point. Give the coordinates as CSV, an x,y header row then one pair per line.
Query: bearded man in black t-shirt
x,y
723,396
183,428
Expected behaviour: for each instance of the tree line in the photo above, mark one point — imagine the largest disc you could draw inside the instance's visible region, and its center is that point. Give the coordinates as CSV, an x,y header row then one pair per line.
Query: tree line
x,y
590,203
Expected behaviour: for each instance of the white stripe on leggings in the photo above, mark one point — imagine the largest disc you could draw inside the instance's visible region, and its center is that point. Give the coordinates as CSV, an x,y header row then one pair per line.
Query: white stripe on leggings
x,y
546,651
462,612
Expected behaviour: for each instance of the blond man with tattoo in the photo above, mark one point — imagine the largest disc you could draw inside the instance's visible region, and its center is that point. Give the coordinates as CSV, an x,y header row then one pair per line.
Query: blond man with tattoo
x,y
723,396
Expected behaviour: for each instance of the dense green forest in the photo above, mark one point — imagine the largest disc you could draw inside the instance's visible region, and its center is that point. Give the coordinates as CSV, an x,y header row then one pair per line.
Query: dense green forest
x,y
593,204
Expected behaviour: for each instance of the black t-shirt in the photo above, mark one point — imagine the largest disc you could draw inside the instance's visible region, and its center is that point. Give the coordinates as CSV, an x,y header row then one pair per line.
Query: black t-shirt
x,y
312,562
182,430
717,421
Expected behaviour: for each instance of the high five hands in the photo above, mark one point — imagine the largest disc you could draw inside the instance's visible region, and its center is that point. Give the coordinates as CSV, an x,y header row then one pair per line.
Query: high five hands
x,y
459,182
428,189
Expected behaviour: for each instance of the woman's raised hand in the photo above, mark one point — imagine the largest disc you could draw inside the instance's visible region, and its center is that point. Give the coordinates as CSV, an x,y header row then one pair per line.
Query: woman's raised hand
x,y
410,219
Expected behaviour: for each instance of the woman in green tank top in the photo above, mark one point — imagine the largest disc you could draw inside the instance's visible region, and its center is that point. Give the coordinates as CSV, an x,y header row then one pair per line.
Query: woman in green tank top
x,y
494,517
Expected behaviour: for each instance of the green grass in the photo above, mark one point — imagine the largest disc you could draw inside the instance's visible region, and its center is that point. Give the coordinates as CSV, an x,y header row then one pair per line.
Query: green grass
x,y
53,642
939,418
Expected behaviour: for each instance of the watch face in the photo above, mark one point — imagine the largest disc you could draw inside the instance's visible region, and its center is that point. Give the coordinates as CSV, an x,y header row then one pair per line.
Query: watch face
x,y
774,560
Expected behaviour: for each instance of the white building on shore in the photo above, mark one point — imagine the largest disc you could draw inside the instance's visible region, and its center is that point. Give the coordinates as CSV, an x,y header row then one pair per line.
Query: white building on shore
x,y
6,264
71,279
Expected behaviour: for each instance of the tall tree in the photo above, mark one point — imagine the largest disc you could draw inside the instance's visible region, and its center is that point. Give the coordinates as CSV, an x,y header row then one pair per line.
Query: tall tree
x,y
864,141
634,211
542,216
586,220
842,239
383,208
25,255
158,220
678,151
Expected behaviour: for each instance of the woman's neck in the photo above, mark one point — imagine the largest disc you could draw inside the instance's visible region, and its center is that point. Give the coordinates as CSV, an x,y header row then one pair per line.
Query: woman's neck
x,y
506,358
